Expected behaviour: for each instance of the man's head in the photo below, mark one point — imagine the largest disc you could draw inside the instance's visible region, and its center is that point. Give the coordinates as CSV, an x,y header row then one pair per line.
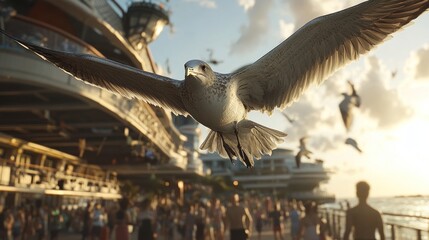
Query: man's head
x,y
362,190
235,198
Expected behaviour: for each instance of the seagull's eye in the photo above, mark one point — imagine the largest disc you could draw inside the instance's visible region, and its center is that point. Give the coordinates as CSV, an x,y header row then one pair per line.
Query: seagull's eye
x,y
203,67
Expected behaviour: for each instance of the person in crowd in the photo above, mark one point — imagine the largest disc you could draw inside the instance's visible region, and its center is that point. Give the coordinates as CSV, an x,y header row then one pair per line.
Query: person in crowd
x,y
181,217
7,223
217,217
87,221
363,219
55,223
99,220
311,226
122,221
18,224
259,220
276,218
200,221
39,224
238,229
189,222
29,228
147,221
294,216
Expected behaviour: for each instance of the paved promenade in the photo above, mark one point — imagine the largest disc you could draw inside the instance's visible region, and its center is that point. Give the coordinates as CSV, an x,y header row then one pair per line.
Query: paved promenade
x,y
267,234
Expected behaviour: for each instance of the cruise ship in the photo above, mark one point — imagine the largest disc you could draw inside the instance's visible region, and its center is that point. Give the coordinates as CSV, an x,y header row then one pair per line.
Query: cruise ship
x,y
275,175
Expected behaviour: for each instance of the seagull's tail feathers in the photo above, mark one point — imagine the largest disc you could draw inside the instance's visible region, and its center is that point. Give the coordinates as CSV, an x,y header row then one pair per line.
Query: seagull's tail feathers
x,y
256,140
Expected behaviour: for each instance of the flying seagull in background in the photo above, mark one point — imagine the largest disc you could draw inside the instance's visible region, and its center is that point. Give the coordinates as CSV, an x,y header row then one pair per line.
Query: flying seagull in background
x,y
303,151
353,143
347,106
212,60
289,119
221,101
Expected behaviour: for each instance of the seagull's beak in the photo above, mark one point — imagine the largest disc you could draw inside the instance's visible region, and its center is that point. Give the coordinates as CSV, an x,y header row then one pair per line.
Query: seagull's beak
x,y
189,71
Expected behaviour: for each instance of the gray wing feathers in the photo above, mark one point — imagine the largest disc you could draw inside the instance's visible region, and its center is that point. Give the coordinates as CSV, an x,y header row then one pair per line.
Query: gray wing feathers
x,y
116,77
319,48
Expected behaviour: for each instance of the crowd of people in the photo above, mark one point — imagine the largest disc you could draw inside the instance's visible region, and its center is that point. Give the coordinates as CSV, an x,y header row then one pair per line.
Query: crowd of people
x,y
32,220
165,217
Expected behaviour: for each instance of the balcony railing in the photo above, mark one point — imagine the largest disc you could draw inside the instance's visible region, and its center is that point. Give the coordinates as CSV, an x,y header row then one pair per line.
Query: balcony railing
x,y
40,177
44,35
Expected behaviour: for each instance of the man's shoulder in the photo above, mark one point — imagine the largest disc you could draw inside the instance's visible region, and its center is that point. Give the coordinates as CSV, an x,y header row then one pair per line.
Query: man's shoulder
x,y
363,208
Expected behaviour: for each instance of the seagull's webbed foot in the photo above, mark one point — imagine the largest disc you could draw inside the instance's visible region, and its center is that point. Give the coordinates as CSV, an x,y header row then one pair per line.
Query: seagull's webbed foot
x,y
227,148
241,152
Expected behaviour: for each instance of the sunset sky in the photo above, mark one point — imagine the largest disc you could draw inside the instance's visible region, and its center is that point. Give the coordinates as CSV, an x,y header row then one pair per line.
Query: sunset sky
x,y
392,125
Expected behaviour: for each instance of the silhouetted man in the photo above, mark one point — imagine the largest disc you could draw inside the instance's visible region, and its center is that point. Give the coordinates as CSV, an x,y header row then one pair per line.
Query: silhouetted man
x,y
238,220
363,218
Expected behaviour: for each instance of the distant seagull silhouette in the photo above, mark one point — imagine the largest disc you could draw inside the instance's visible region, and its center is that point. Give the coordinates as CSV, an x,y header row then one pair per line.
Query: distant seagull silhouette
x,y
303,151
212,60
353,143
347,106
289,119
394,72
221,101
167,66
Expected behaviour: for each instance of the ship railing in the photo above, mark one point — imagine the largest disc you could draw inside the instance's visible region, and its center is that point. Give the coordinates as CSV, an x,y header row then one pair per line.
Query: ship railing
x,y
393,224
49,177
44,35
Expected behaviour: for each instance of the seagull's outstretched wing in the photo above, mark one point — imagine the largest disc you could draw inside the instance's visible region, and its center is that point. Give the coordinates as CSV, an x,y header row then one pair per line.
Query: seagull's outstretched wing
x,y
119,78
356,100
318,48
346,110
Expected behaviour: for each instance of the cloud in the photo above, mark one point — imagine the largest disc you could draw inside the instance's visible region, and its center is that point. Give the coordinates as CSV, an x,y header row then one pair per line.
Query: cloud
x,y
304,11
246,4
253,33
327,142
204,3
418,63
315,119
258,24
381,103
286,29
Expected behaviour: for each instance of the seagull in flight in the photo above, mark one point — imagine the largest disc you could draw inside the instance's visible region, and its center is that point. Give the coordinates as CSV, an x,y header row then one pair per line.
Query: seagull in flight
x,y
221,101
348,104
353,143
303,151
212,60
289,119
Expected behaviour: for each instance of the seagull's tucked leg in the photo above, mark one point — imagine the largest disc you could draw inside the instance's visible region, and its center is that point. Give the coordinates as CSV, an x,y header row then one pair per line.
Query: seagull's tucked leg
x,y
248,141
243,155
227,148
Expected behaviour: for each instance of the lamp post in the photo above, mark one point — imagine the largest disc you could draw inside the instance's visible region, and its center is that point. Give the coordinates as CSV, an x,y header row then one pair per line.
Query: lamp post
x,y
235,183
143,22
181,186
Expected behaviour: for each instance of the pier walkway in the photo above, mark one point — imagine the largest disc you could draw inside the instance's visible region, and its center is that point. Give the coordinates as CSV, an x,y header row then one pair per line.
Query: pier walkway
x,y
267,234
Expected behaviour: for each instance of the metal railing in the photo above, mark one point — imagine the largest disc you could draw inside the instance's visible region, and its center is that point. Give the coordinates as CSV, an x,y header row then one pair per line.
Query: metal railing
x,y
396,226
44,35
47,177
106,10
